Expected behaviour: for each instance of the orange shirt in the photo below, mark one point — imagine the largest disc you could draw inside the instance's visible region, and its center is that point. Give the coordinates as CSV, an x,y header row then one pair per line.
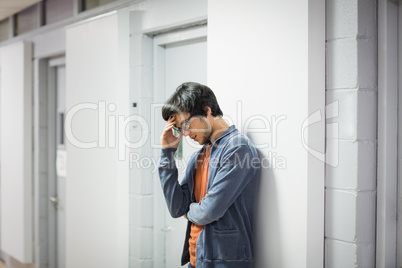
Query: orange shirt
x,y
200,190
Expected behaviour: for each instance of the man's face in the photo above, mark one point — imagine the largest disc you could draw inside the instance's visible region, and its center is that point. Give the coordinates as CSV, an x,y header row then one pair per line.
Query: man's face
x,y
200,129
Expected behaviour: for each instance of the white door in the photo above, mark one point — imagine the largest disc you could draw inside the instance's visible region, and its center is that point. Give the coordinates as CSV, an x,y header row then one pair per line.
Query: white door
x,y
178,57
57,91
16,151
98,172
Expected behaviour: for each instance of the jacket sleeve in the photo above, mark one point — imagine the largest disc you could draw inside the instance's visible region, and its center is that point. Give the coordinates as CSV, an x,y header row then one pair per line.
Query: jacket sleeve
x,y
235,172
177,196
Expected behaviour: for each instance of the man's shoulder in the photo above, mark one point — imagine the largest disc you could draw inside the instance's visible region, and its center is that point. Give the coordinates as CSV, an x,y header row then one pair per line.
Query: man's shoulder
x,y
236,139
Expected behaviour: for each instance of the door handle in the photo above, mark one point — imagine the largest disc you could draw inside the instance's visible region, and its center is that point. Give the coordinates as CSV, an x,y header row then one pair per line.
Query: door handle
x,y
166,229
55,201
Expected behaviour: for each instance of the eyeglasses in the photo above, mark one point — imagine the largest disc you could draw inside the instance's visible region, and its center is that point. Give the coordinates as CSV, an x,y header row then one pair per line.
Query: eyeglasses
x,y
185,125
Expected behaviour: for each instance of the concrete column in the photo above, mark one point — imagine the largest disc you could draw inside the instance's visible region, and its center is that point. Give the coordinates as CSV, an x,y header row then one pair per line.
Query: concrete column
x,y
351,86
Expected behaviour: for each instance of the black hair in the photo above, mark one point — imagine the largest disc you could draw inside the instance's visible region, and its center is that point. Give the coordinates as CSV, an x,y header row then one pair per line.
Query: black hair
x,y
192,98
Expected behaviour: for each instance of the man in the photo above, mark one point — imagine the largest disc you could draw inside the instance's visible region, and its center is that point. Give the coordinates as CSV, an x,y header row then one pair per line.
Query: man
x,y
218,191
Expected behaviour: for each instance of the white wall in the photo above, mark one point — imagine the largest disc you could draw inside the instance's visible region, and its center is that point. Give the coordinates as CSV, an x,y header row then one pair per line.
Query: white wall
x,y
16,151
97,182
270,56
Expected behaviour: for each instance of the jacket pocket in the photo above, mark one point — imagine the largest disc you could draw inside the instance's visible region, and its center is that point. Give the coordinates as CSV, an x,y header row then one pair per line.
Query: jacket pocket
x,y
224,245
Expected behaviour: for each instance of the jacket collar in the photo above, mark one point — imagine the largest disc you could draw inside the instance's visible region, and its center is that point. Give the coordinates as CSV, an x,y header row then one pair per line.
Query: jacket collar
x,y
230,129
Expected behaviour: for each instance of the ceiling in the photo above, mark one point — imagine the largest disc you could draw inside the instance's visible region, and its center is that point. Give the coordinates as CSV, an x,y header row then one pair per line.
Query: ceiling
x,y
10,7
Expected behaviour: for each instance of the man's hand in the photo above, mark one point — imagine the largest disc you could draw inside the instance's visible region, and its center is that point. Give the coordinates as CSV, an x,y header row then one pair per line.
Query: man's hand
x,y
168,140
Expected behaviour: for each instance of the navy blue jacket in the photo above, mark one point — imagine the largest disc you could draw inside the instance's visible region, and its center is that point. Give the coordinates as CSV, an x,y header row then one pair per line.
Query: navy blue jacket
x,y
227,210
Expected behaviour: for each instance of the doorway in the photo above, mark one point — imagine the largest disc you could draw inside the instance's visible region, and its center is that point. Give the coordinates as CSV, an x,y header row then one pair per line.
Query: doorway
x,y
179,56
57,163
50,156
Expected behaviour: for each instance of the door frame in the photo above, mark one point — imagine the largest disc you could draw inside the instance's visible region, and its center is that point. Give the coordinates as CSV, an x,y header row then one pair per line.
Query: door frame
x,y
55,136
44,149
173,36
387,150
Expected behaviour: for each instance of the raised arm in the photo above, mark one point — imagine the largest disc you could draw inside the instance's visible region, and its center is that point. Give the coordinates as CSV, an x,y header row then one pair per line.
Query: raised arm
x,y
177,196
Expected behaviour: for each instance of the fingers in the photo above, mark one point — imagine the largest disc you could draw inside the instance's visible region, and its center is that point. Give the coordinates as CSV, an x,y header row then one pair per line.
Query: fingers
x,y
168,139
170,122
169,126
171,119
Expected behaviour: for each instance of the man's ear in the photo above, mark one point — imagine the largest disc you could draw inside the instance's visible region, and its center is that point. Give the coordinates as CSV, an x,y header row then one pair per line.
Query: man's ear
x,y
208,110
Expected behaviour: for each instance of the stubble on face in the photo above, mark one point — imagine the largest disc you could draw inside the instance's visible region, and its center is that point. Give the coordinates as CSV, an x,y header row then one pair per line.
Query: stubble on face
x,y
203,131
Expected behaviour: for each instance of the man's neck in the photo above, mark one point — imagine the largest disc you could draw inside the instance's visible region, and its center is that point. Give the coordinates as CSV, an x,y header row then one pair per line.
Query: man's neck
x,y
219,126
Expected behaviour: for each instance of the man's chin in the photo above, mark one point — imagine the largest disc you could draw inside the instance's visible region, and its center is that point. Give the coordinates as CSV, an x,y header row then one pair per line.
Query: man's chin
x,y
199,142
204,141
